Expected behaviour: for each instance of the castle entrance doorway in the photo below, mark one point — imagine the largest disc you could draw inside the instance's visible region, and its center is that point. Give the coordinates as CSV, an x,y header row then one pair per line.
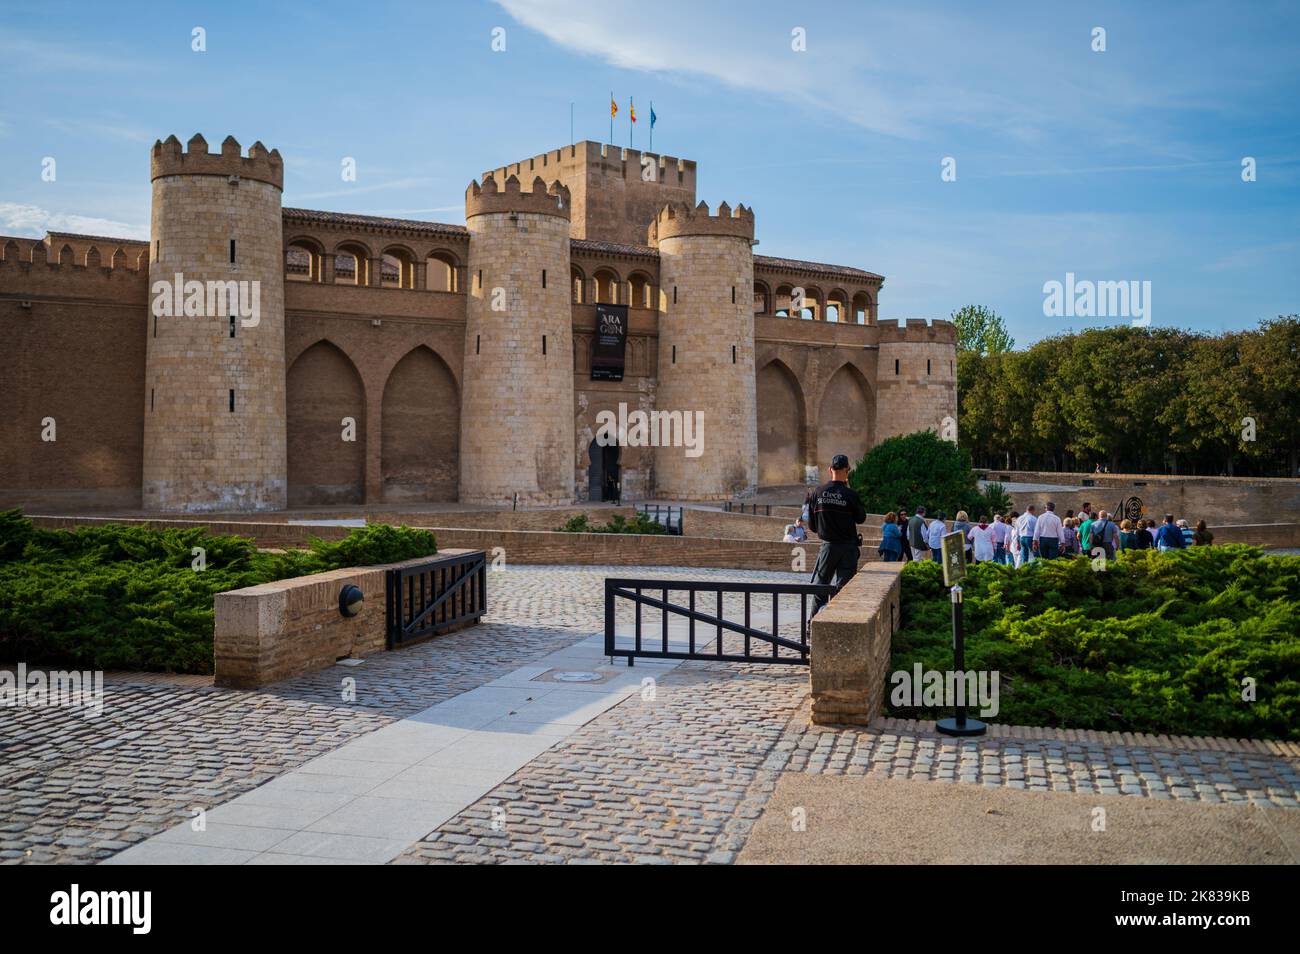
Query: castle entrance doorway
x,y
603,473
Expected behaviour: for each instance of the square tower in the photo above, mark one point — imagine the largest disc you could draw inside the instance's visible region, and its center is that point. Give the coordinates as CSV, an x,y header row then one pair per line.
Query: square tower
x,y
616,193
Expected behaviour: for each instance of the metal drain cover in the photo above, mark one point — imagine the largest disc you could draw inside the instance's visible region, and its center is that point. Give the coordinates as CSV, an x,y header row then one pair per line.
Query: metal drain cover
x,y
577,676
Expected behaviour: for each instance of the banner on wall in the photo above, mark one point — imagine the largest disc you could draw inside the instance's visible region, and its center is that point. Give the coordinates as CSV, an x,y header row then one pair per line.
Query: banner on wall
x,y
609,344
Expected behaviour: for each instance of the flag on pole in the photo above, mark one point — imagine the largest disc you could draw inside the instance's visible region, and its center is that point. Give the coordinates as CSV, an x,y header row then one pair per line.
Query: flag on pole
x,y
631,127
652,125
631,108
613,111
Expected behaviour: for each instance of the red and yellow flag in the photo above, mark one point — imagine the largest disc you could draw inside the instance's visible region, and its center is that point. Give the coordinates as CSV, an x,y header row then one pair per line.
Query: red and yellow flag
x,y
631,109
613,108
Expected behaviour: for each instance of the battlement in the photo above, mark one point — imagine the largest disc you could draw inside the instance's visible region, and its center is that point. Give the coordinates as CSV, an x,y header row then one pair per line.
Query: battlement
x,y
676,220
168,159
76,252
917,331
510,197
581,159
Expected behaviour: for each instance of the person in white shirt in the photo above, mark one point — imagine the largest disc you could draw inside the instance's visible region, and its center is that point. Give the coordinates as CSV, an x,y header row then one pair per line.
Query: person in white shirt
x,y
1025,534
982,537
1047,533
1000,534
934,537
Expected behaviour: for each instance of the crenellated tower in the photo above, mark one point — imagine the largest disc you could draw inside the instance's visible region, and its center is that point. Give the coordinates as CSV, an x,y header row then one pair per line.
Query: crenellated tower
x,y
517,432
706,348
916,378
214,414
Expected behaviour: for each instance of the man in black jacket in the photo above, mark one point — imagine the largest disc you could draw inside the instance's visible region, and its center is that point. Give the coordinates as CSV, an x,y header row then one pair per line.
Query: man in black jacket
x,y
834,511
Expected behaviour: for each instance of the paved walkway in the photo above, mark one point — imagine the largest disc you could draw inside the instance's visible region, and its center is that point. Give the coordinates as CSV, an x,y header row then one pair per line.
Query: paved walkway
x,y
367,800
473,748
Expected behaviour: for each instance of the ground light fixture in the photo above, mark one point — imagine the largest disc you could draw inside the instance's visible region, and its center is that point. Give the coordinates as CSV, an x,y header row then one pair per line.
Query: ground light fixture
x,y
351,599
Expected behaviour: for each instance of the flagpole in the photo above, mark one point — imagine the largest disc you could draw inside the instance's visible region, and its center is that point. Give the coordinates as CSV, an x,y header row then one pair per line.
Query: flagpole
x,y
611,119
570,121
631,123
652,126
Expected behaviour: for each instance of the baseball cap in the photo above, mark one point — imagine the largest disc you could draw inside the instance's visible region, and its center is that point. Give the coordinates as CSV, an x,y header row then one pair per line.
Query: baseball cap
x,y
839,462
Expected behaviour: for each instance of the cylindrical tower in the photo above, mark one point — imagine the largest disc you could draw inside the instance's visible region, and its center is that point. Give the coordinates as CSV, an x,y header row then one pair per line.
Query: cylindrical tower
x,y
517,432
916,379
706,353
214,432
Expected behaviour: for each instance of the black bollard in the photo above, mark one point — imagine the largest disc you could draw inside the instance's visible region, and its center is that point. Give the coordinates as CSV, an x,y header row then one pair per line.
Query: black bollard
x,y
960,725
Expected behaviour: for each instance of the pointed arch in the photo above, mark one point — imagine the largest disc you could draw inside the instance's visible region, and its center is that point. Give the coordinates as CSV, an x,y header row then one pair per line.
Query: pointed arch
x,y
325,405
420,441
781,426
847,415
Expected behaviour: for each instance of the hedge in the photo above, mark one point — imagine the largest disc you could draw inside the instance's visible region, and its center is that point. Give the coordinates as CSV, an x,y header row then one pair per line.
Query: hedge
x,y
1157,642
130,597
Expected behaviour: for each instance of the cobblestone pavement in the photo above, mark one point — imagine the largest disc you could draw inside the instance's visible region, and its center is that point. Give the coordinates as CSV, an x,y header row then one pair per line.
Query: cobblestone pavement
x,y
682,777
74,788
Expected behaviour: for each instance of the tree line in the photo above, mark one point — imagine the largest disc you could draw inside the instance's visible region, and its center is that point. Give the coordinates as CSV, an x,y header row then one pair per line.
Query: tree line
x,y
1136,400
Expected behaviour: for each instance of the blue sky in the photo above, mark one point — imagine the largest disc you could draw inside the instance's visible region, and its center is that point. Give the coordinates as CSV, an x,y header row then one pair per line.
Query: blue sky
x,y
1115,165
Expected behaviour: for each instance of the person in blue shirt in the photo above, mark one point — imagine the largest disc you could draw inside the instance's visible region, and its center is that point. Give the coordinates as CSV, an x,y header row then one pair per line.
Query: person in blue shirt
x,y
1170,535
891,539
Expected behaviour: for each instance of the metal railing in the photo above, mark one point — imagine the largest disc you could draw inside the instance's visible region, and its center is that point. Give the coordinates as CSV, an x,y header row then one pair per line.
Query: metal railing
x,y
719,638
670,518
427,598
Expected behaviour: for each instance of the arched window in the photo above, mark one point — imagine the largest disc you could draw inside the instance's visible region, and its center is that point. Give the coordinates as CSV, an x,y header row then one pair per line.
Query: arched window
x,y
607,283
579,282
397,268
442,272
639,290
352,264
302,261
862,308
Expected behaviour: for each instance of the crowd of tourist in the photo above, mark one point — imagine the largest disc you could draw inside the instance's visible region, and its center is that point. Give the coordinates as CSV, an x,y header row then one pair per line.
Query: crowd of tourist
x,y
1019,538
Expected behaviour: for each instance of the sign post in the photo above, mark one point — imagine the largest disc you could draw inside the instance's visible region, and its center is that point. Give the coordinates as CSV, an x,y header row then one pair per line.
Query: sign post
x,y
954,571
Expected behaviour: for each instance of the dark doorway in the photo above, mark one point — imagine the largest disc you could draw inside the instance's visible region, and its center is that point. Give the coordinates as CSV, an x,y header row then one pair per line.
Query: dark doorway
x,y
602,473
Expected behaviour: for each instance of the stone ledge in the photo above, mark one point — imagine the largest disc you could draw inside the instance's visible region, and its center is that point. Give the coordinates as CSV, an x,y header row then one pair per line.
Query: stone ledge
x,y
850,643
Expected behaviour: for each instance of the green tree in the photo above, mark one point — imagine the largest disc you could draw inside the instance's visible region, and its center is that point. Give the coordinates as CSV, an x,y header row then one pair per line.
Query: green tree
x,y
981,330
919,469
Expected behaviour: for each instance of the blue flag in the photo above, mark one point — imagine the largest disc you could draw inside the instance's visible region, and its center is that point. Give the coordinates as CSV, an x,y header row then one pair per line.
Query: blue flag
x,y
652,115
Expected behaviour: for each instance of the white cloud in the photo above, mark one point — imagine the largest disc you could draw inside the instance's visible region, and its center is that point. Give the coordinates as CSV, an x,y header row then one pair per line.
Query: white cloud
x,y
34,221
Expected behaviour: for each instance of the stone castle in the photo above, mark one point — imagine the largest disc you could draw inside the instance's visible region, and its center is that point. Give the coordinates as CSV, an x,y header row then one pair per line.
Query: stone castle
x,y
390,360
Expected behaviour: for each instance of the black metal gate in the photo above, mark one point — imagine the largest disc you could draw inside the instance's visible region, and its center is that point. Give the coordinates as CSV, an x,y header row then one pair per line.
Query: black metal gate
x,y
772,646
429,598
670,518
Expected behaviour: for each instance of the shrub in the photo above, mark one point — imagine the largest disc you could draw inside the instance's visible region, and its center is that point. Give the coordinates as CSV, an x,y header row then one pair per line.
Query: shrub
x,y
918,469
1159,642
127,597
618,523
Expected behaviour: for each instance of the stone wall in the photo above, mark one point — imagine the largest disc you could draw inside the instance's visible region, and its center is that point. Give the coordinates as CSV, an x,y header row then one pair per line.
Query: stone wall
x,y
851,640
74,354
278,630
743,526
1216,500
